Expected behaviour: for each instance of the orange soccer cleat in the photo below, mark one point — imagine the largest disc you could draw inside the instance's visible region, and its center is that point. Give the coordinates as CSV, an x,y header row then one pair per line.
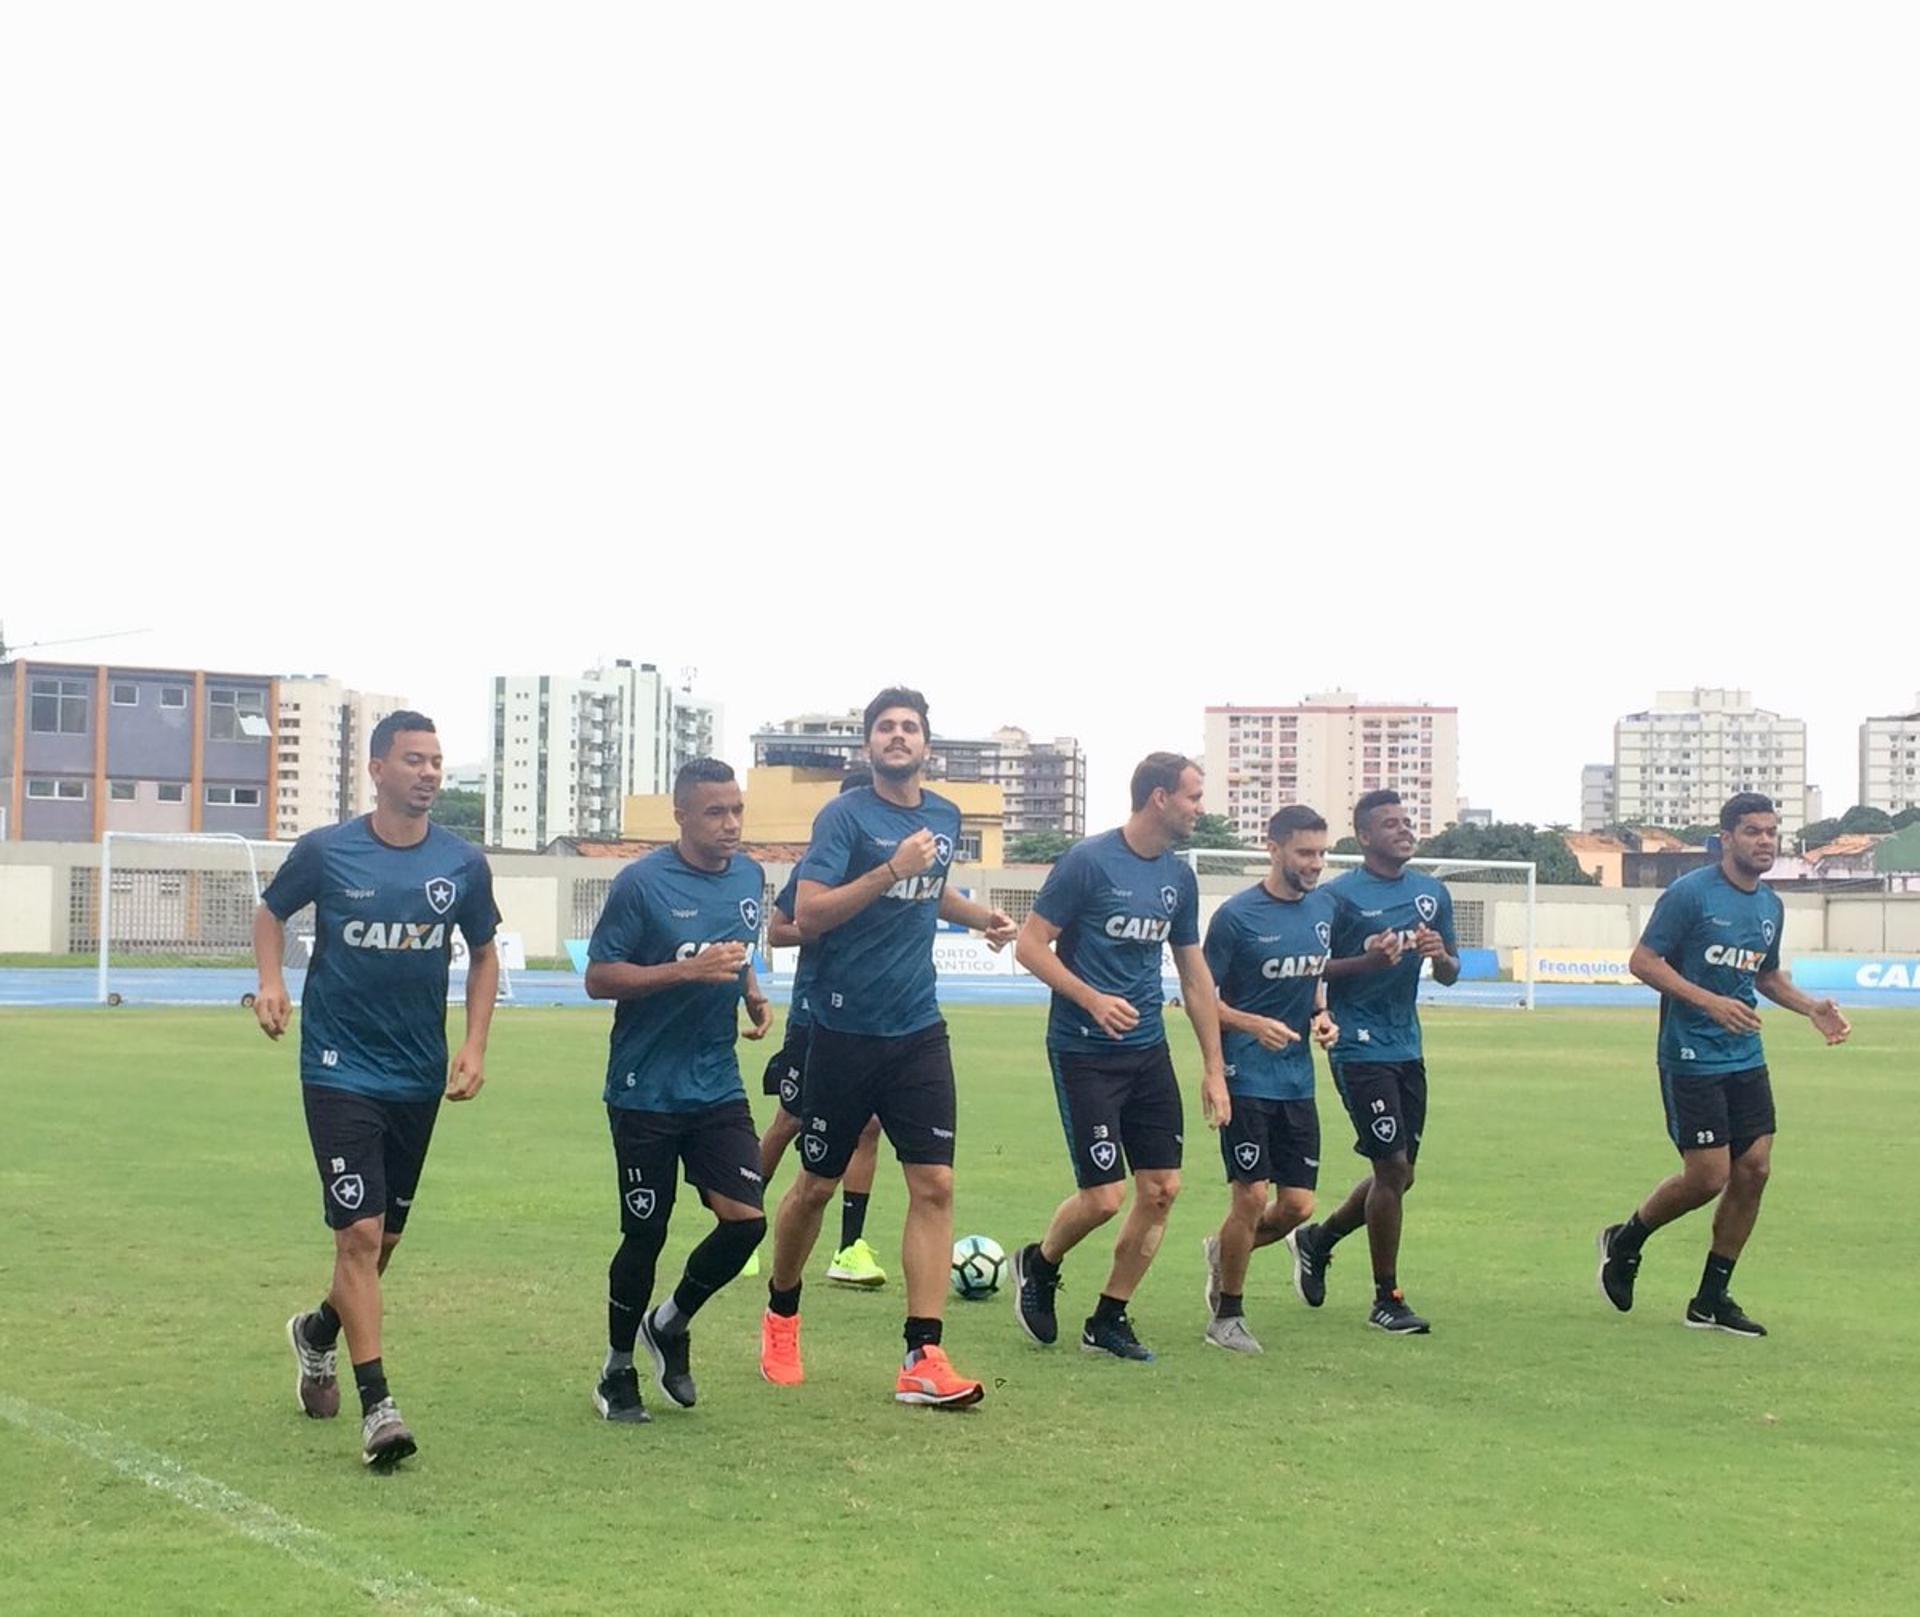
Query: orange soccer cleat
x,y
780,1349
931,1379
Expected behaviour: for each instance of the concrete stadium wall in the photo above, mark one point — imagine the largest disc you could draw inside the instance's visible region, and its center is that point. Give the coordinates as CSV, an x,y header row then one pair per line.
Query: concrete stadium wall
x,y
549,899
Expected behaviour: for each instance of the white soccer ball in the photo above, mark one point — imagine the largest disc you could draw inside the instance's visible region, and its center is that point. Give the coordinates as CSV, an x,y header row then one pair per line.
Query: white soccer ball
x,y
978,1265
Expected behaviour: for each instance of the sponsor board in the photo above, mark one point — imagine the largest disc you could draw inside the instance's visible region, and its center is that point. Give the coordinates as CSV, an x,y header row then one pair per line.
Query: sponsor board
x,y
1885,974
1574,965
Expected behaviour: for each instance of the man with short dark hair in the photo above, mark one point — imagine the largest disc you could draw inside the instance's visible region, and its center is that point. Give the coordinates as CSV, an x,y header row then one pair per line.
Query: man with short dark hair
x,y
1713,939
1391,922
387,890
872,890
672,948
1267,949
1101,924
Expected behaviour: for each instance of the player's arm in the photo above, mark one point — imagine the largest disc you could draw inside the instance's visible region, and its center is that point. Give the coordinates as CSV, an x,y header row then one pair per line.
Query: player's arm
x,y
1824,1014
1432,948
1651,967
1034,950
1203,1011
782,933
1272,1033
1381,952
959,910
272,1008
623,979
759,1010
818,908
468,1072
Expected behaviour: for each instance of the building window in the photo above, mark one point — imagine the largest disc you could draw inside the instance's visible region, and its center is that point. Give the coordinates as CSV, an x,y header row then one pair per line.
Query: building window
x,y
59,707
171,791
236,715
233,797
967,850
125,695
173,696
68,791
120,791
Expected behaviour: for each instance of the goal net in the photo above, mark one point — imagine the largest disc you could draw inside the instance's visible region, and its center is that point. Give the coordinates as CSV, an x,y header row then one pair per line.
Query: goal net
x,y
1493,904
170,917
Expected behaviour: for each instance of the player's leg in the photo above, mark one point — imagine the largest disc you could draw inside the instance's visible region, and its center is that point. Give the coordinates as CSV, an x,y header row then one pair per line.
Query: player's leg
x,y
1697,1123
646,1162
782,1079
1750,1120
721,1158
854,1262
1227,1257
1089,1097
916,1108
1152,1125
1294,1154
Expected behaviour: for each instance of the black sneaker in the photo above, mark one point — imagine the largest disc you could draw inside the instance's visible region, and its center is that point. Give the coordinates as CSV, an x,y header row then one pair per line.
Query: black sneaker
x,y
1617,1270
617,1397
1391,1314
1033,1297
1723,1315
1114,1336
1310,1262
671,1351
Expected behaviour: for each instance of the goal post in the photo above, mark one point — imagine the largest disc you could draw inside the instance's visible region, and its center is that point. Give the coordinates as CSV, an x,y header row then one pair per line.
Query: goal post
x,y
1478,918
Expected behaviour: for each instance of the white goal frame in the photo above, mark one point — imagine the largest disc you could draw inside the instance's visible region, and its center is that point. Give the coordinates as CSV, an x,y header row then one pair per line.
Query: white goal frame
x,y
1435,866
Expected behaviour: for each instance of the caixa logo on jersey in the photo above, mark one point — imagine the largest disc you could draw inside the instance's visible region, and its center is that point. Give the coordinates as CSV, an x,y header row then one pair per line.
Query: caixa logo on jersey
x,y
1427,906
750,914
441,893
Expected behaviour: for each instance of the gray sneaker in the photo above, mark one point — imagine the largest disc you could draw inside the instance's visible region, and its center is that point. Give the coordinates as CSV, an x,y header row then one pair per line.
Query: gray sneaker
x,y
316,1376
1233,1335
1210,1251
384,1438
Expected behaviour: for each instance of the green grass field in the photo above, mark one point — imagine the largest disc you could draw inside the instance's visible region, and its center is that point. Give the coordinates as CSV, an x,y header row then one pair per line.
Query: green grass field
x,y
1538,1453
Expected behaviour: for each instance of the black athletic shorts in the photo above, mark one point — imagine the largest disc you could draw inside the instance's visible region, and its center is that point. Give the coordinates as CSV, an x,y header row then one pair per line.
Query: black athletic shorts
x,y
717,1143
787,1068
1272,1139
1120,1109
906,1082
1707,1110
1387,1101
369,1152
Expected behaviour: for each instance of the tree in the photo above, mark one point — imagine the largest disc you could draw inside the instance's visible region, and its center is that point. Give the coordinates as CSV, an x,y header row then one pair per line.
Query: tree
x,y
1346,845
1553,860
1214,831
1818,834
1907,817
1860,819
1038,847
462,813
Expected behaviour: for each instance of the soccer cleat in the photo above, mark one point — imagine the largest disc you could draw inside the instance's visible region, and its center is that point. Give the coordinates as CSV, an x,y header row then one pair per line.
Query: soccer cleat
x,y
1722,1315
1391,1314
617,1397
1210,1255
856,1265
1114,1337
384,1438
1617,1270
780,1349
669,1349
316,1381
930,1379
1033,1298
1310,1261
1232,1334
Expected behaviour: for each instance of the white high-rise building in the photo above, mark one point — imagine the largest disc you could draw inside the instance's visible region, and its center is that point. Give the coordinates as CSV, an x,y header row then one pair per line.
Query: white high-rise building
x,y
322,740
1596,797
1327,752
564,753
1677,762
1890,760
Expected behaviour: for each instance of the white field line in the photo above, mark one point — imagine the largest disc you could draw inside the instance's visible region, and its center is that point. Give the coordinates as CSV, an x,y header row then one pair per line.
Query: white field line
x,y
394,1587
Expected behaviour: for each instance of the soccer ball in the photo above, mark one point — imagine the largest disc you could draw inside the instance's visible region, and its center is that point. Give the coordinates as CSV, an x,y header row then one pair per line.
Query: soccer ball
x,y
978,1264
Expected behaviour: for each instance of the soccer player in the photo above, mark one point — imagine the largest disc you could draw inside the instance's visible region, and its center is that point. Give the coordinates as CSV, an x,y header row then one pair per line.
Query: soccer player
x,y
671,948
1267,949
1390,921
387,891
854,1262
1100,925
872,889
1713,939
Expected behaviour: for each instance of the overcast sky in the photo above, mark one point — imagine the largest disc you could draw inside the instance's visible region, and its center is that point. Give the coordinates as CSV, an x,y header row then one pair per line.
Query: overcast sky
x,y
1084,365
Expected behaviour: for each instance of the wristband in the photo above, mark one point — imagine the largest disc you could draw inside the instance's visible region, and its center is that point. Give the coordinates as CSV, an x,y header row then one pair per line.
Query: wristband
x,y
891,871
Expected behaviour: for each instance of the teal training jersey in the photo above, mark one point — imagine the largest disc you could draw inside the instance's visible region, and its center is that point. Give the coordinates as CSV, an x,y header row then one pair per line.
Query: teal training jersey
x,y
1267,955
1719,938
1378,1010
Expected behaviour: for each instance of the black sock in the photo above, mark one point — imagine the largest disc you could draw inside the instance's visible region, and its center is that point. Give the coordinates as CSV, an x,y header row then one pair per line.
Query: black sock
x,y
1629,1238
1231,1306
853,1216
715,1262
784,1303
371,1379
1714,1278
1109,1309
1038,1266
321,1328
630,1286
1384,1286
1326,1237
922,1333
